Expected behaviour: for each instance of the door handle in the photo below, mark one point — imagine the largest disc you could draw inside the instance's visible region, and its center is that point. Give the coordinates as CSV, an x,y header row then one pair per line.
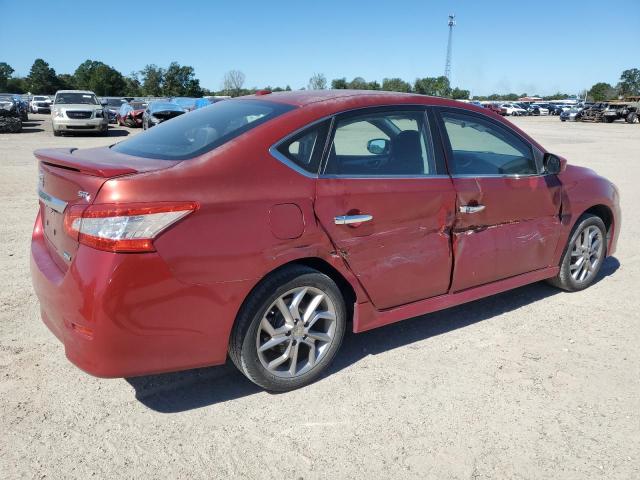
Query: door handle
x,y
349,219
471,208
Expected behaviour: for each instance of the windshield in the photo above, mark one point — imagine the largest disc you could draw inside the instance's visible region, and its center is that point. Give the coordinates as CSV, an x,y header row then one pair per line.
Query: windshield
x,y
76,98
6,98
190,135
115,102
40,99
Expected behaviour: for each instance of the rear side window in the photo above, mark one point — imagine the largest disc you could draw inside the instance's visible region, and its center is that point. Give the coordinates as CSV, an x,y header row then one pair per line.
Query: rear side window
x,y
305,148
480,147
202,130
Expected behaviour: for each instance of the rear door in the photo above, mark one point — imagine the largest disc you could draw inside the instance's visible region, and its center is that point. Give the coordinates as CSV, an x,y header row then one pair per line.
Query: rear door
x,y
508,212
387,205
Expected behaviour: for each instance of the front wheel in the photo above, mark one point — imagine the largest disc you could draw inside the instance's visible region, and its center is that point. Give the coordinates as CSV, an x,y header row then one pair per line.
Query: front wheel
x,y
289,329
583,256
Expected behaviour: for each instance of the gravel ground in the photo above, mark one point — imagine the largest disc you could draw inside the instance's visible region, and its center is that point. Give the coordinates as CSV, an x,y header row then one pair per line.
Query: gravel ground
x,y
530,384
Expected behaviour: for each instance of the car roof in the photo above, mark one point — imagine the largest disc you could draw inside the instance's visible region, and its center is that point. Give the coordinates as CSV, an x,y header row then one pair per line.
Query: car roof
x,y
75,91
301,98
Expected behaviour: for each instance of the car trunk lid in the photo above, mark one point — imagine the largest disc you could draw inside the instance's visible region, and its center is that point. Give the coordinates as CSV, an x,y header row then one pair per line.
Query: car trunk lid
x,y
71,178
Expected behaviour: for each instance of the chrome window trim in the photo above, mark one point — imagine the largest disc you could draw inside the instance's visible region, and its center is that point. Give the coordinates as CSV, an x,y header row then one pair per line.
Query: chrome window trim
x,y
51,201
273,149
534,149
275,153
384,177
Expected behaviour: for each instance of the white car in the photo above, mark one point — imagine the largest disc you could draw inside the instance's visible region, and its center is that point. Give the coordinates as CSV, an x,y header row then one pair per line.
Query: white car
x,y
539,110
40,104
78,111
514,110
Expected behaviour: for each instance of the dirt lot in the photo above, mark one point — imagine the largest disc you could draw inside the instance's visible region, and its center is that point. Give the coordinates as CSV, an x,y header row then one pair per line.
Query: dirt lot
x,y
533,383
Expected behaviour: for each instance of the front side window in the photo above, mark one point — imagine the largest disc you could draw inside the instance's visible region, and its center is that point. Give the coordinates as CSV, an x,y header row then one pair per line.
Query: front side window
x,y
480,147
381,144
202,130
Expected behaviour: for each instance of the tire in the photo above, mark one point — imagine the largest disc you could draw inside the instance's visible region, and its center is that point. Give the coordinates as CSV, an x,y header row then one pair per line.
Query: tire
x,y
572,282
632,117
563,119
57,133
261,322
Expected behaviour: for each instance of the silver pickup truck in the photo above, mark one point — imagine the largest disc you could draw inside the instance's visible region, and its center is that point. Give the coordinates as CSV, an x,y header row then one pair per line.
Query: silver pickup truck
x,y
78,111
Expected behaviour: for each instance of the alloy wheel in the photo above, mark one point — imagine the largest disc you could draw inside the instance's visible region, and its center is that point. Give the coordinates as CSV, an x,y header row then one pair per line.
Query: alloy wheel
x,y
586,253
296,332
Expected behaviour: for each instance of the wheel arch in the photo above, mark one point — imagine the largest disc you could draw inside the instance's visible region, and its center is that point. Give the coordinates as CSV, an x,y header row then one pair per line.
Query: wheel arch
x,y
317,263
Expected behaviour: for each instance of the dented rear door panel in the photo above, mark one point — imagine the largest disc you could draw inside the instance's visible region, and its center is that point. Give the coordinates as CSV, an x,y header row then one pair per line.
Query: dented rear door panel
x,y
403,254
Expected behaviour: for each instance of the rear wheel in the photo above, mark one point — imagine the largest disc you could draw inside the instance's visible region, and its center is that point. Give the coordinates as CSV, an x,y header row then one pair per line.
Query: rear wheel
x,y
583,256
289,329
632,117
56,133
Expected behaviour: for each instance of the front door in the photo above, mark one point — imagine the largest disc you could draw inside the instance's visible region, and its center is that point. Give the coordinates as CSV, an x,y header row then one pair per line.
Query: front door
x,y
386,207
507,210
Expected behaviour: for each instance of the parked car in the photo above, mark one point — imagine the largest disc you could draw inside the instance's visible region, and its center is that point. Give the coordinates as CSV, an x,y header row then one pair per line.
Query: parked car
x,y
496,108
112,106
571,115
130,114
622,110
556,109
40,104
513,110
259,227
78,111
536,109
18,105
188,104
158,112
10,121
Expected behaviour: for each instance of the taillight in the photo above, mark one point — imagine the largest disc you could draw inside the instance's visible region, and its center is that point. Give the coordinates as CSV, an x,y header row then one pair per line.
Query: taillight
x,y
123,227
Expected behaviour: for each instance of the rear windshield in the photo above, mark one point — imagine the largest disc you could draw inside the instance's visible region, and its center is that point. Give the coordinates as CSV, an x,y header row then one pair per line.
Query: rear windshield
x,y
197,132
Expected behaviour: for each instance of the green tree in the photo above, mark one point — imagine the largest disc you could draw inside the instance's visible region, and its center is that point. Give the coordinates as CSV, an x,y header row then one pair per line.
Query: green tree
x,y
358,83
100,78
132,85
317,82
180,81
630,82
42,78
395,85
459,94
435,86
5,74
339,84
17,85
66,81
601,91
152,78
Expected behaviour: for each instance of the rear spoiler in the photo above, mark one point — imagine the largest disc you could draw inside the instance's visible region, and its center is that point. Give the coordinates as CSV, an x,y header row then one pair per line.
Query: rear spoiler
x,y
99,162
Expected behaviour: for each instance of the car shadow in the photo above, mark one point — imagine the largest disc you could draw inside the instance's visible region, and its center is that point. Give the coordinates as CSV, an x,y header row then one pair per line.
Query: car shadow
x,y
116,132
31,129
187,390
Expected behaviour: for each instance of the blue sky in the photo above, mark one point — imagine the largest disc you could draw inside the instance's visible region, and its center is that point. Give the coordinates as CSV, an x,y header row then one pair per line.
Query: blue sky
x,y
499,46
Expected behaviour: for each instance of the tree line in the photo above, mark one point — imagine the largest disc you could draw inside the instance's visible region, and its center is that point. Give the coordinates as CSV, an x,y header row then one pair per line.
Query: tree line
x,y
180,80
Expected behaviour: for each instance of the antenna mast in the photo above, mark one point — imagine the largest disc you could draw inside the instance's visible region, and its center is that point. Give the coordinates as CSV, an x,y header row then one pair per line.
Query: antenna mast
x,y
447,67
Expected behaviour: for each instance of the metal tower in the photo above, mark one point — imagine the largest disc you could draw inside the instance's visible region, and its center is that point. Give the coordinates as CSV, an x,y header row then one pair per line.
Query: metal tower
x,y
447,67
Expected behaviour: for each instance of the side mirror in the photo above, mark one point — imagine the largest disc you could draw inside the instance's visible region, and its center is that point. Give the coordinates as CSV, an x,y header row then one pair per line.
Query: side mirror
x,y
554,164
378,146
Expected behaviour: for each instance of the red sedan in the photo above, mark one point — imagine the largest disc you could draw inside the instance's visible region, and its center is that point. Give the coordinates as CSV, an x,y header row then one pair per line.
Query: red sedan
x,y
260,227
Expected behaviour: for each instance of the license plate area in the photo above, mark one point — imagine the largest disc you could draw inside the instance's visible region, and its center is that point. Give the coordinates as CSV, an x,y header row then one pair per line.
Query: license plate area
x,y
52,222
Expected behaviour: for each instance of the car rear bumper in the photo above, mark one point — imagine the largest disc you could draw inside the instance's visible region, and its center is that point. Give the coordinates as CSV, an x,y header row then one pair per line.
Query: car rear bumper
x,y
121,315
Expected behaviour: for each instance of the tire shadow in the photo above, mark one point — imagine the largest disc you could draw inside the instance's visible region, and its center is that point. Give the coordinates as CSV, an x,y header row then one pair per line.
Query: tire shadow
x,y
187,390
